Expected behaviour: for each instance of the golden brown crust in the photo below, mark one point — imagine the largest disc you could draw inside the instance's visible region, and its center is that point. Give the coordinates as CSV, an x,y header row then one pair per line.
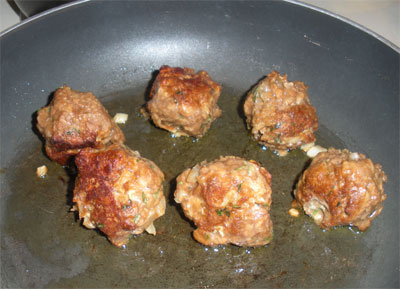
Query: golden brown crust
x,y
342,188
118,191
75,120
228,200
184,102
279,113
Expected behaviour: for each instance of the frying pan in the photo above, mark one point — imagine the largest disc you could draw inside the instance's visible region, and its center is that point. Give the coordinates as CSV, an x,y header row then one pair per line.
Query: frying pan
x,y
114,50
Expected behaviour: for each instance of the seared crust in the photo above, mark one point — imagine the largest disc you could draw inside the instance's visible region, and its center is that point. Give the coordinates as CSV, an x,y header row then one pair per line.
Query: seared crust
x,y
75,120
184,102
279,113
118,191
228,200
342,188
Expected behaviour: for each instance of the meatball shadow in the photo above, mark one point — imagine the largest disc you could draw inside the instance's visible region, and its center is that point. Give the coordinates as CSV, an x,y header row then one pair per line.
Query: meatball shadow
x,y
147,92
70,167
298,176
150,85
172,203
242,100
240,107
72,173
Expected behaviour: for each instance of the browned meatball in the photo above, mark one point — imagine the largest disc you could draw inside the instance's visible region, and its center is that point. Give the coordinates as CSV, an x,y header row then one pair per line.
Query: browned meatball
x,y
184,102
118,191
341,188
75,120
279,113
228,200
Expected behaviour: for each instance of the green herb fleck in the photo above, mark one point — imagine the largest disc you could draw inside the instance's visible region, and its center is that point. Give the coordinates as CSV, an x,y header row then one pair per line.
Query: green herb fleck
x,y
100,225
338,204
270,237
72,131
144,198
206,122
241,167
206,236
223,211
239,188
158,191
255,94
315,212
151,166
236,206
278,138
137,218
180,183
125,207
276,126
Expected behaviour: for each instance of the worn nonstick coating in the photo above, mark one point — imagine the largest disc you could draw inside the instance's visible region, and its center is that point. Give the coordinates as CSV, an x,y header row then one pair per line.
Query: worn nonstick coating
x,y
114,49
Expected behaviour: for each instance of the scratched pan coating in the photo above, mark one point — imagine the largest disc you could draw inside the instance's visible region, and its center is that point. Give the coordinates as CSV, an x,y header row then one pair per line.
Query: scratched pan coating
x,y
44,245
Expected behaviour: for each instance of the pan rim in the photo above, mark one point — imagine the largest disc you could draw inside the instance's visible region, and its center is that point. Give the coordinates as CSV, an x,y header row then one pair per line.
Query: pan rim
x,y
295,2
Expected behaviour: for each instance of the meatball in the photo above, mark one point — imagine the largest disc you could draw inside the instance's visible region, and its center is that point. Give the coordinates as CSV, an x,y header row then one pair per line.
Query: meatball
x,y
184,102
118,191
228,200
75,120
279,113
341,188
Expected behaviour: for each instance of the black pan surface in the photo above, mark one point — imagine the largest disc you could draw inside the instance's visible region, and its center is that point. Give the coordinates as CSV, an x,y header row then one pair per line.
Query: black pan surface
x,y
114,50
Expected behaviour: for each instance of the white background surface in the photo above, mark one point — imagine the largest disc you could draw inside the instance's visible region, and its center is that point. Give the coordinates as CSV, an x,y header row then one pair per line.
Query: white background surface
x,y
380,16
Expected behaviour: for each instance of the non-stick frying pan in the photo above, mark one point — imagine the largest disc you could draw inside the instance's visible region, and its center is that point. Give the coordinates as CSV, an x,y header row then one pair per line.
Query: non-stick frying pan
x,y
114,50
